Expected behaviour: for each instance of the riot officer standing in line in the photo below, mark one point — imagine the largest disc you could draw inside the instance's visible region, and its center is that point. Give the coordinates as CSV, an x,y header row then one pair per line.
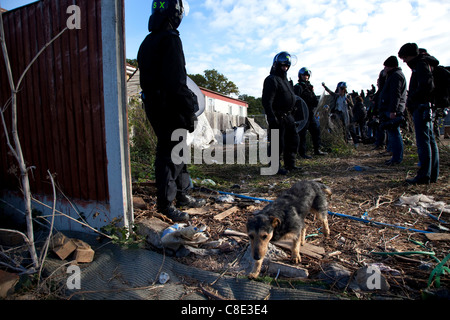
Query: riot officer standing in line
x,y
279,100
305,90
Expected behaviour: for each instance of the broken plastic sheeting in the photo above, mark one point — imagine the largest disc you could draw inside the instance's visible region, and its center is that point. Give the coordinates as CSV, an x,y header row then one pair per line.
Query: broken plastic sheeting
x,y
422,204
181,235
203,136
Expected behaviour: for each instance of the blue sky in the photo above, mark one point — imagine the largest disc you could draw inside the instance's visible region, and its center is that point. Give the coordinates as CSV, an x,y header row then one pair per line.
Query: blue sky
x,y
339,40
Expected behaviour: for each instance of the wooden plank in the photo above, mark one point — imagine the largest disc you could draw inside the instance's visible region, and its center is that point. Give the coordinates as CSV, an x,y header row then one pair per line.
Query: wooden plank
x,y
226,213
307,249
438,236
199,211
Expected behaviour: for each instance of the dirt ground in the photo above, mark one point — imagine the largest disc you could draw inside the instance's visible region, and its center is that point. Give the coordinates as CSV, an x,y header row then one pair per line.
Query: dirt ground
x,y
360,183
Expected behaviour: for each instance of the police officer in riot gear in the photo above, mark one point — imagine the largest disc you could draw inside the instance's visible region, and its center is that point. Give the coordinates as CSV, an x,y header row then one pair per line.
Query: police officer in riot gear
x,y
305,90
169,104
279,100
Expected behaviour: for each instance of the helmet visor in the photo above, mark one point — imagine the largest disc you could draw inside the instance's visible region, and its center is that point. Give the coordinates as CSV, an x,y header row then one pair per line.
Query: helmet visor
x,y
185,7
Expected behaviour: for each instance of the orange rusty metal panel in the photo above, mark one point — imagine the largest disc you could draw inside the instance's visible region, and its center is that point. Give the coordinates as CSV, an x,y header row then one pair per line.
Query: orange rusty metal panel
x,y
60,103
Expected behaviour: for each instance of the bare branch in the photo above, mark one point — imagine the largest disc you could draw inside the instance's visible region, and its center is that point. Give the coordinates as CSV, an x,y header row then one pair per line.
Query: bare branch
x,y
6,56
37,56
47,243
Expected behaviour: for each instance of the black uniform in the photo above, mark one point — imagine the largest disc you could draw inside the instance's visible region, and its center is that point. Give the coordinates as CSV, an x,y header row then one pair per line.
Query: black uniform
x,y
305,90
279,101
169,105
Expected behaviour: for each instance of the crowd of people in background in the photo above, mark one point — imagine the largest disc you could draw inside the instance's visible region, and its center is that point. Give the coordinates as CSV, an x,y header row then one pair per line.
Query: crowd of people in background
x,y
377,117
169,105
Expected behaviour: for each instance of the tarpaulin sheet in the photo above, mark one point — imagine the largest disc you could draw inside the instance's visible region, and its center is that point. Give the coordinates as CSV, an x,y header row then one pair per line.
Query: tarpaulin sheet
x,y
119,273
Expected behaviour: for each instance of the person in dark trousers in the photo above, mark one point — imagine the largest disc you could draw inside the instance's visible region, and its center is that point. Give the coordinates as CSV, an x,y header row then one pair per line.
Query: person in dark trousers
x,y
360,119
378,133
418,104
169,104
305,90
392,107
279,100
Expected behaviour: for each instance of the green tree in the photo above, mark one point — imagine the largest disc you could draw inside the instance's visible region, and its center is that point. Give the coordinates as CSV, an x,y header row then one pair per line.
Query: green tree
x,y
133,62
255,106
215,81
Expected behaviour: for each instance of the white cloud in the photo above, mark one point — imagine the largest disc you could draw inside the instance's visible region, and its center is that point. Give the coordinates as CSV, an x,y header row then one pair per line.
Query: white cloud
x,y
340,40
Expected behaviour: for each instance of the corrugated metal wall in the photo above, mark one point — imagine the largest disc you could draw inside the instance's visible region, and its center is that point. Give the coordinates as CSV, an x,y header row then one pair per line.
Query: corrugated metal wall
x,y
61,108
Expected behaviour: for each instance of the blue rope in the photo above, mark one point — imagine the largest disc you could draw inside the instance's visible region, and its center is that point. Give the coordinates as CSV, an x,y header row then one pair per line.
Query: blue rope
x,y
333,214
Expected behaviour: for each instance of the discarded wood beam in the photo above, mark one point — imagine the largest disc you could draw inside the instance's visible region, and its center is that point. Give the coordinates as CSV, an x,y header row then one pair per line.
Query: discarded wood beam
x,y
229,232
199,211
307,249
226,213
438,236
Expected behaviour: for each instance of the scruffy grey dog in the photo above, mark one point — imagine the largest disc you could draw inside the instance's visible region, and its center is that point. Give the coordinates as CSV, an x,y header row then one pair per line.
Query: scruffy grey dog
x,y
284,219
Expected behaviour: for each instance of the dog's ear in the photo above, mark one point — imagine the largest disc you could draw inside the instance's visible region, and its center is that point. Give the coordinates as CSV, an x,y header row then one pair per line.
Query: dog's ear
x,y
274,221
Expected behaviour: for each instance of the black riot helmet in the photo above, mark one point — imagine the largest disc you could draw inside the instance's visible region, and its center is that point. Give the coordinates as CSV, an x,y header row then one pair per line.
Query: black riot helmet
x,y
282,58
304,71
166,12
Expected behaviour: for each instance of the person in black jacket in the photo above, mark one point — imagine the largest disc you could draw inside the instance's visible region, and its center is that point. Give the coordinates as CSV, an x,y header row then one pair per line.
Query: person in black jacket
x,y
374,115
305,90
392,107
169,104
418,104
279,100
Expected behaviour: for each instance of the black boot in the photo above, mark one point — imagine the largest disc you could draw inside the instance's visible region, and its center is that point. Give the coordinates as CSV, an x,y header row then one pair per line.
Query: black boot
x,y
174,214
190,202
320,153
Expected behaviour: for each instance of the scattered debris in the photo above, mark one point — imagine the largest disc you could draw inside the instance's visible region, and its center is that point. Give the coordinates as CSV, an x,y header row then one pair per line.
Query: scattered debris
x,y
370,278
84,252
286,270
348,258
151,229
423,204
335,275
226,213
164,277
63,247
139,203
225,198
181,235
7,283
438,236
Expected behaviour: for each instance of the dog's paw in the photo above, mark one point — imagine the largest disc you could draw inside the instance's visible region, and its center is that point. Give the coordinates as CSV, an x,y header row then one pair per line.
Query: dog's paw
x,y
296,258
253,276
